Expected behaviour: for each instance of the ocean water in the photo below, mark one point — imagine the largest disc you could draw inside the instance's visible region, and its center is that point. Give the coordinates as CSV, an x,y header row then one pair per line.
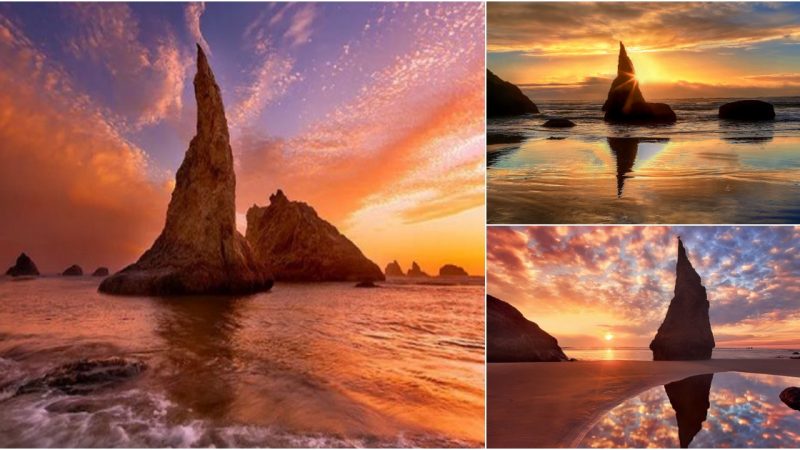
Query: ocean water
x,y
645,354
303,365
698,170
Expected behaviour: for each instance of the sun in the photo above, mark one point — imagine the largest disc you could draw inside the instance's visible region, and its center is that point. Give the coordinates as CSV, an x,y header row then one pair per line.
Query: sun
x,y
608,336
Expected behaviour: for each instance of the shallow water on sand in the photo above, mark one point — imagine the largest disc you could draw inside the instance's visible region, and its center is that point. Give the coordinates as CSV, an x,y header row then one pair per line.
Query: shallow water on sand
x,y
730,409
700,170
303,365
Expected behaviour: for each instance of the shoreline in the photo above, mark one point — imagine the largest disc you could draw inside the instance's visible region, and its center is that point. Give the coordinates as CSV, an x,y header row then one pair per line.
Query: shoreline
x,y
553,405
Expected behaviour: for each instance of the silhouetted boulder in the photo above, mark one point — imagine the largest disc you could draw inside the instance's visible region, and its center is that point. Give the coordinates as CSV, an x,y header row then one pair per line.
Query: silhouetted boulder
x,y
100,272
73,271
393,269
451,270
559,123
295,244
415,271
84,376
791,396
625,102
24,267
510,337
685,333
747,110
689,399
505,99
199,250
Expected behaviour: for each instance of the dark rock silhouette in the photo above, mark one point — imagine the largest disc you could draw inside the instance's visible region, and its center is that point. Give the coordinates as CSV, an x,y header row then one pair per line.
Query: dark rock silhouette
x,y
625,102
73,271
689,399
100,272
415,271
199,250
366,284
393,269
685,333
747,110
506,99
23,267
510,337
559,123
84,376
791,397
451,270
295,244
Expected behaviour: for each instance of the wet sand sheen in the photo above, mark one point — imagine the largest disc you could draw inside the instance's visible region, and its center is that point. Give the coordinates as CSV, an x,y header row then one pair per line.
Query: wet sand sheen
x,y
555,404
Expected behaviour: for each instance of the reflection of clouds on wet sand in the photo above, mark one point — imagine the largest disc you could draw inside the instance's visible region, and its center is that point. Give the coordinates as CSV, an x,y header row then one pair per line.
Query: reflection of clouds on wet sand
x,y
745,412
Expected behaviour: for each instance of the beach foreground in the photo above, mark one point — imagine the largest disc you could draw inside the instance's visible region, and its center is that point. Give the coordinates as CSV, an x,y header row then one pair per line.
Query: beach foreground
x,y
555,404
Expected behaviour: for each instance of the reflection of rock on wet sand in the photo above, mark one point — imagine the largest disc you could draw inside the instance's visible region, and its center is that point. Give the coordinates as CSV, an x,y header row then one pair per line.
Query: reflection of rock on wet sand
x,y
689,399
626,150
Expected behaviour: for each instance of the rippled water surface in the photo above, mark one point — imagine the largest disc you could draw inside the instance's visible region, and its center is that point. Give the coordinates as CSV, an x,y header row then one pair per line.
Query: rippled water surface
x,y
699,170
729,409
303,365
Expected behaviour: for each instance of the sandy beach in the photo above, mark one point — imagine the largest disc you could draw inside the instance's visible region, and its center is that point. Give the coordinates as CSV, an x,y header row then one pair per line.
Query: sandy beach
x,y
555,404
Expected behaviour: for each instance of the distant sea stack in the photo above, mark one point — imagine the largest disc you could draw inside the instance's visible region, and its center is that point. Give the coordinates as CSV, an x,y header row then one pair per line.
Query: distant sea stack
x,y
625,102
393,269
295,244
73,271
747,110
24,267
451,270
416,271
505,99
100,272
199,250
685,333
510,337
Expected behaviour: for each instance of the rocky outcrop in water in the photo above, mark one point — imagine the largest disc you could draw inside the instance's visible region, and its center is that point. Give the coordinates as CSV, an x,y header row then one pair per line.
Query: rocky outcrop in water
x,y
416,271
747,110
506,99
689,399
559,123
393,269
451,270
84,376
73,271
295,244
510,337
791,397
100,272
199,250
625,102
685,333
24,267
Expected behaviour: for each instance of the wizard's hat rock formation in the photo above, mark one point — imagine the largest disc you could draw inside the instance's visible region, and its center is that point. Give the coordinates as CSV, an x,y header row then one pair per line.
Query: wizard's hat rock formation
x,y
625,102
685,333
295,244
510,337
199,251
505,99
23,267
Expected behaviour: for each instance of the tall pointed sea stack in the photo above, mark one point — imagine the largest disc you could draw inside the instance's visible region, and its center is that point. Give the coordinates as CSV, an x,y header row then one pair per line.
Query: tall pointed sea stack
x,y
685,333
199,251
625,102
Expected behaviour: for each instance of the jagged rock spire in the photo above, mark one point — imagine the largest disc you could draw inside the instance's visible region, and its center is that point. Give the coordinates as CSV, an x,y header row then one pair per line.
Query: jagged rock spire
x,y
625,65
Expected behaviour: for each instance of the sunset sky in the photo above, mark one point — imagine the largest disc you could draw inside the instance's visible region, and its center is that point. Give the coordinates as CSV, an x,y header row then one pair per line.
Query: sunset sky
x,y
580,283
371,113
679,50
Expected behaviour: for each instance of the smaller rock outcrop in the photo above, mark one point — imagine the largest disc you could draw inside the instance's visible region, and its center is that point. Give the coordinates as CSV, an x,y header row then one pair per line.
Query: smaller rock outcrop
x,y
100,272
685,333
625,102
559,123
73,271
510,337
393,269
84,376
747,110
506,99
416,271
451,270
295,244
24,267
791,397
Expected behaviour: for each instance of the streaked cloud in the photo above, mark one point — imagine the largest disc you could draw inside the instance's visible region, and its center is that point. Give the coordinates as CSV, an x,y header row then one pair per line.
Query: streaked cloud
x,y
193,12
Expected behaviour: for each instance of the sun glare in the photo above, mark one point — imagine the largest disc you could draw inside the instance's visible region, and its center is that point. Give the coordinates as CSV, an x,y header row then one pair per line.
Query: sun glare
x,y
608,337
